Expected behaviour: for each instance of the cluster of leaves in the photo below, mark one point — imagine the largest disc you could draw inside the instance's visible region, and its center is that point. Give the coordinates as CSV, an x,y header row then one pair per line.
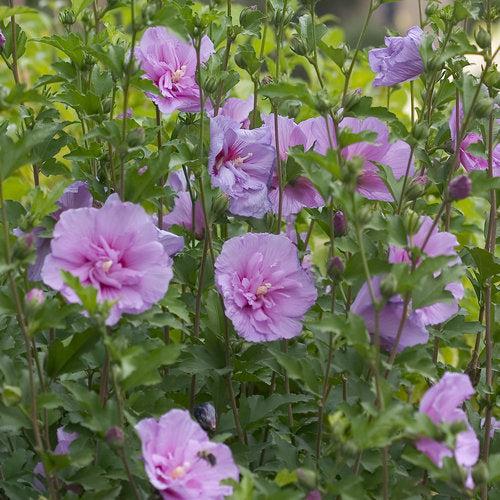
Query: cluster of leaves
x,y
65,89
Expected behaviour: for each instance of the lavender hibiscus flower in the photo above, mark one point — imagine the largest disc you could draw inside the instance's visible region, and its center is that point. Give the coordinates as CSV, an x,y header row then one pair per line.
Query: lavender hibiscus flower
x,y
399,61
441,403
76,195
180,460
469,160
240,163
394,155
266,292
238,110
64,440
438,243
171,65
115,249
298,193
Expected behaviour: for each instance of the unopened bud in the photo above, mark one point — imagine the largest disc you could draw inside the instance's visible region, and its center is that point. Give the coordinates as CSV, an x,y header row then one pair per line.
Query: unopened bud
x,y
339,224
306,477
480,473
115,436
388,286
431,9
35,297
314,495
411,222
322,102
2,40
459,188
298,46
483,38
11,395
205,415
336,268
67,17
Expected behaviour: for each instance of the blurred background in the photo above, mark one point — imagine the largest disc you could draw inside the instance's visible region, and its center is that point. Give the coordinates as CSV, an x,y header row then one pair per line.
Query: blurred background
x,y
350,14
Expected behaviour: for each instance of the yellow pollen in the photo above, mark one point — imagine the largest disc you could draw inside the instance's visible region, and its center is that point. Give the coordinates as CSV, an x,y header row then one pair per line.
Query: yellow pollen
x,y
178,74
239,161
106,265
262,289
178,472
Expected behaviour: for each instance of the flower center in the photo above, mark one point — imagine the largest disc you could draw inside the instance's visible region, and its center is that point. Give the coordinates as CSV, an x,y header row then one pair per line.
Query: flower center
x,y
238,161
263,289
178,472
106,265
178,74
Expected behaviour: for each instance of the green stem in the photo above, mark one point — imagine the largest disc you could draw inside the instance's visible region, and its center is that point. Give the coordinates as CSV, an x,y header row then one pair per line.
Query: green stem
x,y
126,87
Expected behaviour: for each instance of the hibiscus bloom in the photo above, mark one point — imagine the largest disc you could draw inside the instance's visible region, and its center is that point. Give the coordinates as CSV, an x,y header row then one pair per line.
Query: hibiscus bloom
x,y
266,292
240,164
115,249
238,110
170,64
394,155
442,403
414,331
76,195
298,193
400,61
438,243
182,215
469,160
180,460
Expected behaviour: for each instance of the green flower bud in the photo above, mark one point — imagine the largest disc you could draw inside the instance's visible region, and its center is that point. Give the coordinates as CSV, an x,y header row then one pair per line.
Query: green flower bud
x,y
298,46
431,9
67,17
11,395
388,286
480,473
411,221
483,38
306,477
322,102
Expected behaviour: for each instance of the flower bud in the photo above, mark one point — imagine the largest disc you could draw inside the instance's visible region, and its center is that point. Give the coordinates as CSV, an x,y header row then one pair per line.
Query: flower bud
x,y
336,268
205,415
306,477
67,17
136,137
459,188
483,38
314,495
87,63
322,102
431,9
142,170
458,426
106,105
211,84
353,167
293,108
11,395
115,436
247,16
35,297
388,286
411,221
351,99
339,224
2,40
298,46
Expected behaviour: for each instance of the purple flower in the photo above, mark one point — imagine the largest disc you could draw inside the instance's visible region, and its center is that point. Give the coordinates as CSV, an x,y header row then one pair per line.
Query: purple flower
x,y
2,40
238,110
172,243
265,290
64,440
395,156
414,331
177,181
469,160
128,114
494,426
76,195
180,460
400,61
115,249
300,192
339,224
206,416
442,403
240,163
438,243
170,64
182,215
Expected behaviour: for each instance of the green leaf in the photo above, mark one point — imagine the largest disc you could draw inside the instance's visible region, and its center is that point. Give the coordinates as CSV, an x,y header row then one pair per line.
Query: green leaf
x,y
65,356
6,12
